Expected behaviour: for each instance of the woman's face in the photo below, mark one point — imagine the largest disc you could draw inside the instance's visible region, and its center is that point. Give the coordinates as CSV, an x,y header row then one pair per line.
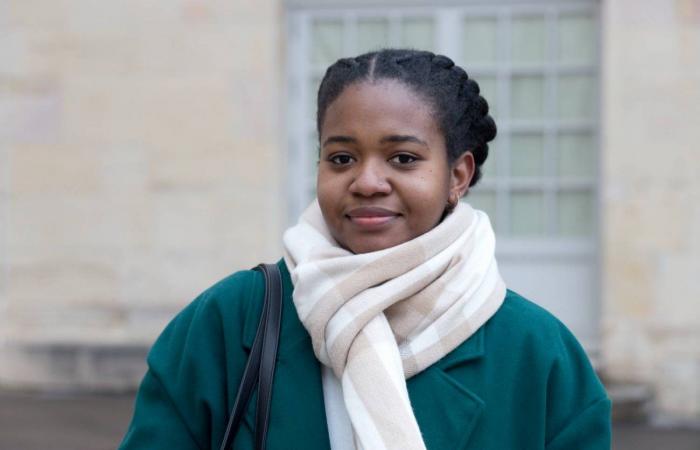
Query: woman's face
x,y
383,175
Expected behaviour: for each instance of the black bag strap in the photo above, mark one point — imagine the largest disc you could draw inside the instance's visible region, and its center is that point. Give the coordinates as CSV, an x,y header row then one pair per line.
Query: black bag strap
x,y
260,367
273,294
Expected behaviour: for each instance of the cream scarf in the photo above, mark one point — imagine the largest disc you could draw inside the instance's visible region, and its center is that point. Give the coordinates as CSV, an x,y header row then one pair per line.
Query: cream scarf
x,y
376,319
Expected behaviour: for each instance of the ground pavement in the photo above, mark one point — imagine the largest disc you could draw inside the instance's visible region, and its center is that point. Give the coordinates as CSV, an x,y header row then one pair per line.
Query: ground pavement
x,y
98,422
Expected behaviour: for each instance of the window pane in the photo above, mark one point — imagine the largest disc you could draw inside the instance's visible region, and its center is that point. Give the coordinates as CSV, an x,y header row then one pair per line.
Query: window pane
x,y
575,213
484,200
527,155
577,39
576,97
313,94
488,168
527,97
528,39
372,34
326,41
488,87
576,155
313,146
418,33
527,213
480,44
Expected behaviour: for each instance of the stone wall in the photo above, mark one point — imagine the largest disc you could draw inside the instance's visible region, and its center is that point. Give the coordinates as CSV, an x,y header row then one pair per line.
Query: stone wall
x,y
142,158
140,161
651,199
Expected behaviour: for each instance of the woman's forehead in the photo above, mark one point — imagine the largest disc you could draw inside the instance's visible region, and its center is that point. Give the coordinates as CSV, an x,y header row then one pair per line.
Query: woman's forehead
x,y
384,106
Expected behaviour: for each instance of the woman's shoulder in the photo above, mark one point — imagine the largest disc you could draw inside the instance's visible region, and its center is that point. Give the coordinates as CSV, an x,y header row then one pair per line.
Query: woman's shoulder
x,y
531,358
525,314
531,327
230,296
231,307
220,312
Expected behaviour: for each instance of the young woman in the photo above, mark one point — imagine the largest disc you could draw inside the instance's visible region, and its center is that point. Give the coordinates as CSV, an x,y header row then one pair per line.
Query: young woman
x,y
397,329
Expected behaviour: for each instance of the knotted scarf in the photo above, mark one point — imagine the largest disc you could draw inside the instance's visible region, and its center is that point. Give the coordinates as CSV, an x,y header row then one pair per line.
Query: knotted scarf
x,y
376,319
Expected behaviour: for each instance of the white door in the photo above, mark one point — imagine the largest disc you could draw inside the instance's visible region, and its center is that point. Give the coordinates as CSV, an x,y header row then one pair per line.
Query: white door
x,y
537,65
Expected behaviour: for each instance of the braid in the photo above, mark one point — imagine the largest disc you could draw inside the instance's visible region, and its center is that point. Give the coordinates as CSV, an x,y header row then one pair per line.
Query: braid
x,y
459,110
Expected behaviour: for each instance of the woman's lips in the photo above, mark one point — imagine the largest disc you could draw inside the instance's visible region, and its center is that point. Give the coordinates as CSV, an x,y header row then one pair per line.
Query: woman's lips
x,y
371,217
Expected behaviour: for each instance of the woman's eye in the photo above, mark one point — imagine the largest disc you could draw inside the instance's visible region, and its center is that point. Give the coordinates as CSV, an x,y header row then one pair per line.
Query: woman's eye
x,y
404,158
341,159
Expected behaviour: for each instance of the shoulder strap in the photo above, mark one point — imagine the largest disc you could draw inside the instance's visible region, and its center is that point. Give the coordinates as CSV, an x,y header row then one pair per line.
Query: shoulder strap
x,y
260,366
269,351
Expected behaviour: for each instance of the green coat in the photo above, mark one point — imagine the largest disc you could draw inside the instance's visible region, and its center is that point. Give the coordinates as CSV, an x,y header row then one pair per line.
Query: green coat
x,y
521,382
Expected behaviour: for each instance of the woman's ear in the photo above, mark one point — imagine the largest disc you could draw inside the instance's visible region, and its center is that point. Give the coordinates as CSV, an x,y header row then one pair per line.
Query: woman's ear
x,y
461,174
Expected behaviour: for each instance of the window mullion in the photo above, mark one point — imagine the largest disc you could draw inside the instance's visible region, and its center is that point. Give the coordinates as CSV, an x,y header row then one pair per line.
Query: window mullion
x,y
550,117
447,21
504,86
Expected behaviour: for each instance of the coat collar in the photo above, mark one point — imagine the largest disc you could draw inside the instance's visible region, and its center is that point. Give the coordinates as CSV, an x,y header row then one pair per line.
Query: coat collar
x,y
446,409
471,349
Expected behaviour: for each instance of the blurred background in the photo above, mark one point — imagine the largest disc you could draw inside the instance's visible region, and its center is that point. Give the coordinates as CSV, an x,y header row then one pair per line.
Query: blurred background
x,y
149,148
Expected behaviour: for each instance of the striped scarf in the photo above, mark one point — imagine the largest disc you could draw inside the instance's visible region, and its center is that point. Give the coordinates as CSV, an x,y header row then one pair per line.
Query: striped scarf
x,y
378,318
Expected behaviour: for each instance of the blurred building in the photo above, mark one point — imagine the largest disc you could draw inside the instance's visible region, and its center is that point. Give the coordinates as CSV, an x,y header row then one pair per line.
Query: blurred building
x,y
148,149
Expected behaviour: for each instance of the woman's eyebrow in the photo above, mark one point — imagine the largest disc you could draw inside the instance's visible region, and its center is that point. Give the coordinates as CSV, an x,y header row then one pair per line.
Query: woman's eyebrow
x,y
394,138
397,138
339,139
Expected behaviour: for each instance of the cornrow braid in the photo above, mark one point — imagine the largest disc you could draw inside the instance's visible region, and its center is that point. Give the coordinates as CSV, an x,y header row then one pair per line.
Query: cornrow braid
x,y
460,111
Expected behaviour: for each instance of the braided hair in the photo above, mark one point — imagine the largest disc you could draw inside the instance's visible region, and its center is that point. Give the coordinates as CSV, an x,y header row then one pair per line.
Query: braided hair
x,y
460,112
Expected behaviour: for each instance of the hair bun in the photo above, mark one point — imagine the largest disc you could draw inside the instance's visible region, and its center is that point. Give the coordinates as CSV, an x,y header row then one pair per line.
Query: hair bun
x,y
472,87
461,73
486,127
443,61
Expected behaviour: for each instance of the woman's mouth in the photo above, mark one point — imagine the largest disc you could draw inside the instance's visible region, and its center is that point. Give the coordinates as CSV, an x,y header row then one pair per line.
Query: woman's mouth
x,y
371,217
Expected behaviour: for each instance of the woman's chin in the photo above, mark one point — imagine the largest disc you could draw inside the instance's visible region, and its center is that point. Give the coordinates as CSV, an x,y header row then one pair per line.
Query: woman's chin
x,y
370,244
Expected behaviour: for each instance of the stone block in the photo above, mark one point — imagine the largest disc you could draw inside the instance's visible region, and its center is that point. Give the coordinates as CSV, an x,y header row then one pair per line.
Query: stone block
x,y
34,14
33,118
123,168
184,220
678,289
89,18
63,279
628,352
54,221
101,109
117,367
53,169
678,387
73,366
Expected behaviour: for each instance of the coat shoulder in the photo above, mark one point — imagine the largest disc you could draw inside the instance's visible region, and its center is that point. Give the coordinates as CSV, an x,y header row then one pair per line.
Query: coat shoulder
x,y
233,293
553,370
194,366
519,319
241,293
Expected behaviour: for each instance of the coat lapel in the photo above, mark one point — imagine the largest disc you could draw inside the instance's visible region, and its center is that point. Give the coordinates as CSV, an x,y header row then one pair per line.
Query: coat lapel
x,y
446,409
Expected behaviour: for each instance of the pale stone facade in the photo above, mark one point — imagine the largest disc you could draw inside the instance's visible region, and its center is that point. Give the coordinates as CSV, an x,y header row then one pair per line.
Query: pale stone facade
x,y
142,158
651,199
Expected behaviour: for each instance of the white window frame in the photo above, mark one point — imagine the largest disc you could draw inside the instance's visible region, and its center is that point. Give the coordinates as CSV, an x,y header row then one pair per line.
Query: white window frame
x,y
448,40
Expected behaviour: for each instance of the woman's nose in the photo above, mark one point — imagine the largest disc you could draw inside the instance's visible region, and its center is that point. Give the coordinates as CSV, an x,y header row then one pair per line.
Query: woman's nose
x,y
370,179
